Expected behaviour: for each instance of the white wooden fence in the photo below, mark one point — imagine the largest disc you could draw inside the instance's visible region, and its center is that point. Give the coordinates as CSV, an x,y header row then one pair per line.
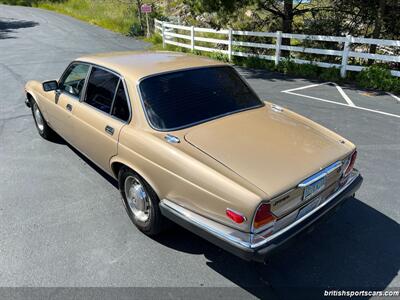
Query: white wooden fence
x,y
171,32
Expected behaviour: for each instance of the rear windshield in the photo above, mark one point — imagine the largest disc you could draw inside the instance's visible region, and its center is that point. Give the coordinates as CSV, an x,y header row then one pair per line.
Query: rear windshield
x,y
184,98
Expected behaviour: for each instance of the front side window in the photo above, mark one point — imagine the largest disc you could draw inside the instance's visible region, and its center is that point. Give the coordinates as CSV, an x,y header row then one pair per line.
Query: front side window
x,y
101,89
184,98
74,79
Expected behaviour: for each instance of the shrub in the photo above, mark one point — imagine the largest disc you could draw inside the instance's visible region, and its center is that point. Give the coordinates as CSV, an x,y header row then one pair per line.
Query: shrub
x,y
136,30
378,77
218,56
155,39
307,70
257,63
330,74
286,66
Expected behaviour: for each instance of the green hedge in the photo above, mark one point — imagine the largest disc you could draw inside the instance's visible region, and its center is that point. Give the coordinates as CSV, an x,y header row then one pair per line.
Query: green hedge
x,y
378,77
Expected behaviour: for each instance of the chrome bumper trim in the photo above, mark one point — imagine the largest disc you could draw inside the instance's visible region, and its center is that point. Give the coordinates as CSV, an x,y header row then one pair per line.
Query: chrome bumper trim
x,y
236,237
230,235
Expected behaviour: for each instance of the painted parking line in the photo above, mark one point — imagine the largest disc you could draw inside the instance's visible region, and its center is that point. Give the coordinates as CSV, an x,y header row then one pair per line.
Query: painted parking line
x,y
348,103
345,97
394,96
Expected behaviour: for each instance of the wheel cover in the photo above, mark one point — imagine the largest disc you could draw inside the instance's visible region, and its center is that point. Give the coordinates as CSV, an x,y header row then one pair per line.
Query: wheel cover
x,y
38,117
137,199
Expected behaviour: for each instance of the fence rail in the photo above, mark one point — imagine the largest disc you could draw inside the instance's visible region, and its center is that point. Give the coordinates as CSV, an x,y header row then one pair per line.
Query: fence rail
x,y
170,35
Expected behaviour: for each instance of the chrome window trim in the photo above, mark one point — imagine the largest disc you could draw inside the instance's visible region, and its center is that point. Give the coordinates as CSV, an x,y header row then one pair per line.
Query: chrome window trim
x,y
262,103
121,79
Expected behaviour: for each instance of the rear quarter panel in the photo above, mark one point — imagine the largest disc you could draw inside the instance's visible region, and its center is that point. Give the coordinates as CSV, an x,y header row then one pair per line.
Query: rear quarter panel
x,y
187,181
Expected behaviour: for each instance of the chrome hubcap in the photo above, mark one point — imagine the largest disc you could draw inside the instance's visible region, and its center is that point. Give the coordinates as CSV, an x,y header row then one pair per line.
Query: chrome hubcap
x,y
38,117
137,198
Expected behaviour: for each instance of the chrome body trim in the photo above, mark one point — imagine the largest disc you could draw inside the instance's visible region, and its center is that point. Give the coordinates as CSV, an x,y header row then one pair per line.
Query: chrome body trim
x,y
241,239
276,108
320,174
324,172
172,139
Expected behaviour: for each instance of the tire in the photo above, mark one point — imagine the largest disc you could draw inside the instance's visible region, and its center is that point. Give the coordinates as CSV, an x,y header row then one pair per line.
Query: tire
x,y
141,202
41,125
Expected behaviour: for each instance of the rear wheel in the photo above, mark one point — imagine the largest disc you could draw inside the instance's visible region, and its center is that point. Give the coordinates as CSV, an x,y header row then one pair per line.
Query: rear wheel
x,y
41,125
140,201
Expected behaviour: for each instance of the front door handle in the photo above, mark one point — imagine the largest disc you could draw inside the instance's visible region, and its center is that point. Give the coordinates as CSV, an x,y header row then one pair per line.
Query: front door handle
x,y
109,130
69,107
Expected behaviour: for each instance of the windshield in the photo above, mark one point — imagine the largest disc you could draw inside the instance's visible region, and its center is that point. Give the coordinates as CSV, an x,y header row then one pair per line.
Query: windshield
x,y
184,98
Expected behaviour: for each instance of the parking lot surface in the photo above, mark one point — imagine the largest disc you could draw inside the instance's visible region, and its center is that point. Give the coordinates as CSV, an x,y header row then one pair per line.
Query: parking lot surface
x,y
62,222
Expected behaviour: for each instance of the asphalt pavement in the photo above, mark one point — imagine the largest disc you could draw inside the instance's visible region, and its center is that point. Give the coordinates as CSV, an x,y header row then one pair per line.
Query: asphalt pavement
x,y
62,223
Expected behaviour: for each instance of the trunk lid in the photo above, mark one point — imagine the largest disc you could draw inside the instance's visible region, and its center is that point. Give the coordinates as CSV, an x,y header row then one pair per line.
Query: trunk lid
x,y
273,150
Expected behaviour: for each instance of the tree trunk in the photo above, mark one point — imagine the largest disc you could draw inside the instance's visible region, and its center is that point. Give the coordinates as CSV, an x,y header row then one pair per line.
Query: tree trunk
x,y
139,4
287,22
377,27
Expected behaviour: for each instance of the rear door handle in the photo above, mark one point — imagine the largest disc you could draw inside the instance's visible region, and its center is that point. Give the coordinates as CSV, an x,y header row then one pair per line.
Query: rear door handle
x,y
69,107
109,130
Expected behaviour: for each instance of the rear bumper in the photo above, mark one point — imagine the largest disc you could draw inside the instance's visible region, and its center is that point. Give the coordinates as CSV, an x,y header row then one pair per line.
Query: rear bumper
x,y
256,246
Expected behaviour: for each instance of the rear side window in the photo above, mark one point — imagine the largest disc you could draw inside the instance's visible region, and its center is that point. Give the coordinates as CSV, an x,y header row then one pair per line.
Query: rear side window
x,y
120,107
101,89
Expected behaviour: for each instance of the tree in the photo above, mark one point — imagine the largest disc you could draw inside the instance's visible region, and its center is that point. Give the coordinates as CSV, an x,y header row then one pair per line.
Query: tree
x,y
285,10
138,6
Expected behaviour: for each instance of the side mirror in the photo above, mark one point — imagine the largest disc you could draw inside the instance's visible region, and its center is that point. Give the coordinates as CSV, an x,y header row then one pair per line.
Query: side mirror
x,y
50,85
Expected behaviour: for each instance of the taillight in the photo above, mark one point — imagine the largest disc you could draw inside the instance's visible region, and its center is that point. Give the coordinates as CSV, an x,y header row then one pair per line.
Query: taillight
x,y
235,216
263,216
351,164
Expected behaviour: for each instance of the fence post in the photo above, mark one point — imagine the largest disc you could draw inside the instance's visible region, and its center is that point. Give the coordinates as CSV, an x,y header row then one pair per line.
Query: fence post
x,y
163,34
278,47
230,44
192,38
345,55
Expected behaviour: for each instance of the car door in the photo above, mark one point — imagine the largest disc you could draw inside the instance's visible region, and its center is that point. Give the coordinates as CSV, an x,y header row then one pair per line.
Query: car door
x,y
101,114
66,97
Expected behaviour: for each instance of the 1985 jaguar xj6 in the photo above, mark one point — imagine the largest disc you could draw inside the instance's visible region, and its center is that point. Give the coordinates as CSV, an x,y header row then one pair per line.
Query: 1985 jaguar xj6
x,y
189,140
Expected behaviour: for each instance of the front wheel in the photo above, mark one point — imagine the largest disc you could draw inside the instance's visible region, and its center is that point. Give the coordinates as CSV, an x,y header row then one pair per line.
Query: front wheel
x,y
44,130
140,201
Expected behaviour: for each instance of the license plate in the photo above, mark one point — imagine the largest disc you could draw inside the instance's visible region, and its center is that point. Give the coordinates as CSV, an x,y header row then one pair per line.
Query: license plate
x,y
314,188
305,210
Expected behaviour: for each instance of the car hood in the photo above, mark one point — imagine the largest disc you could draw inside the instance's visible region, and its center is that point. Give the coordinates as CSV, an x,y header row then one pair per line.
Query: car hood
x,y
274,150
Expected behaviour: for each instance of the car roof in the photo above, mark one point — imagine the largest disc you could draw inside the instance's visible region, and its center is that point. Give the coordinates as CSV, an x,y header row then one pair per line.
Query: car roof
x,y
135,65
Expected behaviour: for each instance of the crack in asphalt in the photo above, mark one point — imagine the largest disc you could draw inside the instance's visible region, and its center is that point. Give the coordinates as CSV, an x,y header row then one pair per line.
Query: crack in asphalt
x,y
3,121
14,117
14,74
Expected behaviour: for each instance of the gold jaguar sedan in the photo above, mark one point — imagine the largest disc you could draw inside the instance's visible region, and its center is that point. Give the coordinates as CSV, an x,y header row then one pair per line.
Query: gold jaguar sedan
x,y
189,140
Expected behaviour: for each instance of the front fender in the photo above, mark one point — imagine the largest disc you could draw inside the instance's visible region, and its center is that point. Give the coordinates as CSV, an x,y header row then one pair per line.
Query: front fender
x,y
32,90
